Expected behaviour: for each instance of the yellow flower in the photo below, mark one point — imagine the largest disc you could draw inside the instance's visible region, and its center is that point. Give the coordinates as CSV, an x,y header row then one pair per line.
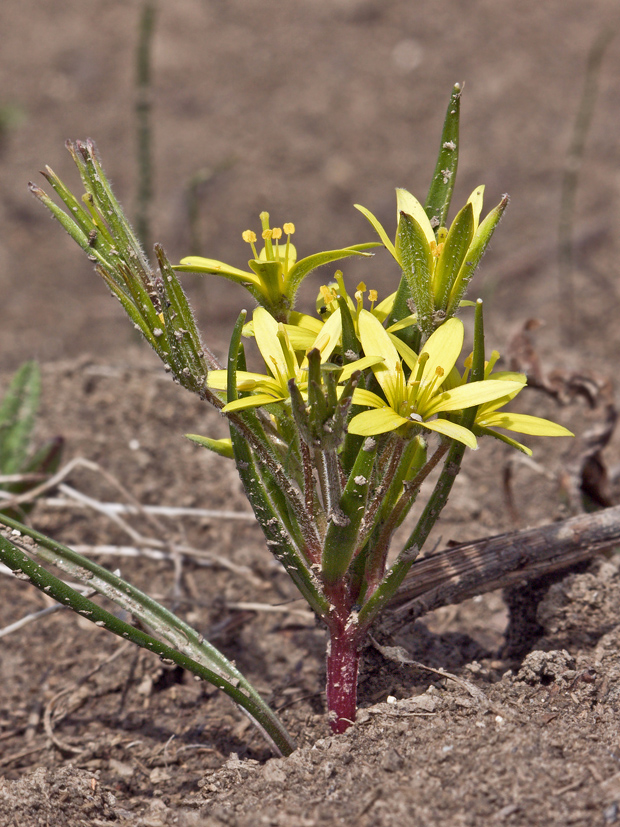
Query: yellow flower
x,y
282,363
438,263
275,274
414,401
489,415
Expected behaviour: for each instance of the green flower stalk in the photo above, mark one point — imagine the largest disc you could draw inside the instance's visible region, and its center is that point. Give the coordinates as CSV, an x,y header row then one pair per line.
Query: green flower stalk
x,y
355,407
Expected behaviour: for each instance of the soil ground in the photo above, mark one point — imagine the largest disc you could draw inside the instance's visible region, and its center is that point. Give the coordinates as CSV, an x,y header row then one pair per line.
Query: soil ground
x,y
303,109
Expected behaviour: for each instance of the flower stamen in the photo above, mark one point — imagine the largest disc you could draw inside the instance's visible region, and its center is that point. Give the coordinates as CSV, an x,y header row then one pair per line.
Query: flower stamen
x,y
249,236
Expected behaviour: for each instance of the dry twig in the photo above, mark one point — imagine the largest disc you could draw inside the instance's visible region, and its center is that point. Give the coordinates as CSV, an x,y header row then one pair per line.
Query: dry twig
x,y
461,572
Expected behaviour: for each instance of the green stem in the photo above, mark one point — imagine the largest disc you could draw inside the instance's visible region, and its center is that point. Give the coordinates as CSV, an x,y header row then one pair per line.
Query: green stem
x,y
391,582
143,122
370,518
342,534
381,548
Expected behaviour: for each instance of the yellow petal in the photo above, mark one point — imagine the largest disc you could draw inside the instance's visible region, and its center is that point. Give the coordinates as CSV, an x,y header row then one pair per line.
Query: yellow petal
x,y
197,264
376,341
466,396
251,402
270,346
475,199
378,227
407,354
406,202
378,421
359,364
363,397
300,338
384,308
329,336
452,430
443,348
524,424
306,322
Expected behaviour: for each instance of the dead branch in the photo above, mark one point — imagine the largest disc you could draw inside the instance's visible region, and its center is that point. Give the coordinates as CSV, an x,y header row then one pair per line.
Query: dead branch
x,y
469,569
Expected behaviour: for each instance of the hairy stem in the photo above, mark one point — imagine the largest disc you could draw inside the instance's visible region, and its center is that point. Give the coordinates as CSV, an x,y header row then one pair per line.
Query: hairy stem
x,y
412,488
343,657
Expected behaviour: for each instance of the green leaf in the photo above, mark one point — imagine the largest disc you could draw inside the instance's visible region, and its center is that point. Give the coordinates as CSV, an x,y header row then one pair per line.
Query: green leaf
x,y
415,256
97,185
476,250
222,447
442,184
160,343
193,652
181,327
453,255
299,272
279,540
66,221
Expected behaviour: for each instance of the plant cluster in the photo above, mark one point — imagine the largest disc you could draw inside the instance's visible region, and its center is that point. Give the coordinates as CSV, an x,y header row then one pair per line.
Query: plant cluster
x,y
354,406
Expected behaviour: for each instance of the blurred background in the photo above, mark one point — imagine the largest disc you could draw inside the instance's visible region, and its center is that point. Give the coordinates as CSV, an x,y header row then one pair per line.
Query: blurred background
x,y
304,109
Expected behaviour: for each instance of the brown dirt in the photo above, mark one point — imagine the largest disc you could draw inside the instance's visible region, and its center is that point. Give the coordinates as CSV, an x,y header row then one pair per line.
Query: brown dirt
x,y
302,109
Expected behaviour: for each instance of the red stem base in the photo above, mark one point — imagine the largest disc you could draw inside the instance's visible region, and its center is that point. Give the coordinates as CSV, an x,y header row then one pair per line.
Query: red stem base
x,y
342,667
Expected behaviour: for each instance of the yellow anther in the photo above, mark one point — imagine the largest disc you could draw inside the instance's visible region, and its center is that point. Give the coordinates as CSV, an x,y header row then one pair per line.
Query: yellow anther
x,y
276,233
266,234
439,371
328,295
249,236
288,228
361,287
372,296
470,360
436,248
